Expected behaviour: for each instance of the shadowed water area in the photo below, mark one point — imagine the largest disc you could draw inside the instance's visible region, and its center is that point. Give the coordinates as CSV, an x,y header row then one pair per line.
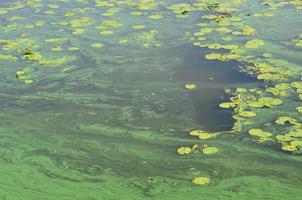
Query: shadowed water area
x,y
150,99
214,77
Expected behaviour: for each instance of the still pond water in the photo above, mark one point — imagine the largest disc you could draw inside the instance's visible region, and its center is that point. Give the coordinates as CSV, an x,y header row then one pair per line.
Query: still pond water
x,y
150,99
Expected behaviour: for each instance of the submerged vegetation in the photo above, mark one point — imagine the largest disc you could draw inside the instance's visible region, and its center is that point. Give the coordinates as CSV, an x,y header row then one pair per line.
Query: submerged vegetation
x,y
90,108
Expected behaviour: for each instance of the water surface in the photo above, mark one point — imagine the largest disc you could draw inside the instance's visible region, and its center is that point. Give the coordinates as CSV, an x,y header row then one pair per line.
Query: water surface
x,y
94,104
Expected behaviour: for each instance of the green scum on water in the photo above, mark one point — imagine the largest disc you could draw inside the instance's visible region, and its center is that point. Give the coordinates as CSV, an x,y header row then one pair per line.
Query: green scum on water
x,y
102,99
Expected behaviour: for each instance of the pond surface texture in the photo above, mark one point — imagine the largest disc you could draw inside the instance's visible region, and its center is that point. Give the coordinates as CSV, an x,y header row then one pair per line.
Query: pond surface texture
x,y
150,100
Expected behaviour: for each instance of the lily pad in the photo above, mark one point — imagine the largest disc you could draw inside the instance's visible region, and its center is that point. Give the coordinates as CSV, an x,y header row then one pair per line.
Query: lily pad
x,y
286,119
247,114
190,86
254,44
184,150
210,150
201,180
227,105
259,133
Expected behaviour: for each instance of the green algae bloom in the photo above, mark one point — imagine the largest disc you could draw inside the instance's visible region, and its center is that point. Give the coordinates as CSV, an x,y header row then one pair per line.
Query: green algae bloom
x,y
102,113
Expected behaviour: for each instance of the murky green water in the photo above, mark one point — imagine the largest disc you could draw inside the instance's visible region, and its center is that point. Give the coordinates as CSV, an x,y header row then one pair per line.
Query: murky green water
x,y
125,99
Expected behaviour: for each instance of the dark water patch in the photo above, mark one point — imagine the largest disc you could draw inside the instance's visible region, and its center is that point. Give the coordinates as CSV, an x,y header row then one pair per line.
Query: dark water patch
x,y
212,77
207,112
196,68
5,2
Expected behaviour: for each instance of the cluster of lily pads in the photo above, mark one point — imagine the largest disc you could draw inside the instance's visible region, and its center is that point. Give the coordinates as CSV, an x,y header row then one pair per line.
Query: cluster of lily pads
x,y
252,107
269,114
249,105
256,107
204,149
68,26
298,42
